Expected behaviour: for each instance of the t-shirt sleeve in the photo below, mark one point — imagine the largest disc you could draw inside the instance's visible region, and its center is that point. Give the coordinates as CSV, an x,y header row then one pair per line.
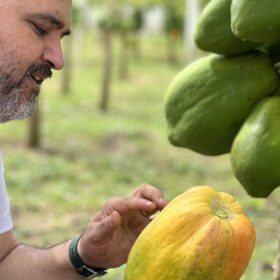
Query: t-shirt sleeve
x,y
5,215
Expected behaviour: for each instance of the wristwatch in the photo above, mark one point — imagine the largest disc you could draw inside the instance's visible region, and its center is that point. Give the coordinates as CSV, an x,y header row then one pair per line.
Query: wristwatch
x,y
80,267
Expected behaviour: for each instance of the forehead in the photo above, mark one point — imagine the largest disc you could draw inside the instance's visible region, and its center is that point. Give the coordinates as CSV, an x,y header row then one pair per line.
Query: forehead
x,y
59,8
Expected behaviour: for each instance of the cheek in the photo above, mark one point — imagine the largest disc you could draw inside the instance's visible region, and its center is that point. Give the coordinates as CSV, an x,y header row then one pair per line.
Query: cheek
x,y
25,45
30,48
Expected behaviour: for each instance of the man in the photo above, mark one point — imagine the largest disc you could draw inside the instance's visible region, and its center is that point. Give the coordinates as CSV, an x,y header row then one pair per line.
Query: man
x,y
30,35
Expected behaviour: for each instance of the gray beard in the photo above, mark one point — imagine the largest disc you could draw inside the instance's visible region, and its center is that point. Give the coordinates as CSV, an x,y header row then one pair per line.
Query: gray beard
x,y
13,104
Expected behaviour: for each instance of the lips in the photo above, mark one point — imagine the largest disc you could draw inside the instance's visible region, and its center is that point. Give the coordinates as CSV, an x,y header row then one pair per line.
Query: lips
x,y
36,74
38,77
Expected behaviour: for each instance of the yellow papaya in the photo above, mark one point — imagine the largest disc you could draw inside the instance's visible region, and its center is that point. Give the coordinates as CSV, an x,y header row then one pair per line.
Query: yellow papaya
x,y
201,234
256,20
208,101
255,155
213,31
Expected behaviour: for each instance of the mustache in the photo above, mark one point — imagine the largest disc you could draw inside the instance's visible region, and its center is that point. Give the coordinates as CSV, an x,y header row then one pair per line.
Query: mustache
x,y
43,68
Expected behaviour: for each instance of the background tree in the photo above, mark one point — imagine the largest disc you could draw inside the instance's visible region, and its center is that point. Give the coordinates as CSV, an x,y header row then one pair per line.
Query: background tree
x,y
34,124
138,21
173,29
131,22
108,24
68,53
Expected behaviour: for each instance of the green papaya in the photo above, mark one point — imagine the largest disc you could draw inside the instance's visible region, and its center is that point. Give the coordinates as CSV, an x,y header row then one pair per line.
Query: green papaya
x,y
256,20
213,31
208,101
255,155
204,2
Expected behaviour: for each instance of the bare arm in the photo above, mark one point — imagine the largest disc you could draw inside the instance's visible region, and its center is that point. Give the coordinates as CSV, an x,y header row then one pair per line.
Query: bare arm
x,y
24,262
106,242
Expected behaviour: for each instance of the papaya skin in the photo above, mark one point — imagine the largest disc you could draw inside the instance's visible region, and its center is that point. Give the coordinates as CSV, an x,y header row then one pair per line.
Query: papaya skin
x,y
255,155
206,103
213,31
201,234
256,20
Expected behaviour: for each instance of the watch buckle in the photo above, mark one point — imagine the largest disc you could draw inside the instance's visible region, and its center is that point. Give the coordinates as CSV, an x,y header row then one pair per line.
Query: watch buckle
x,y
88,270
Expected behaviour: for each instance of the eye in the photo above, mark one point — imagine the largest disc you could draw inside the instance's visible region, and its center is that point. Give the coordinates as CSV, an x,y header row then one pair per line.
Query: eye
x,y
41,31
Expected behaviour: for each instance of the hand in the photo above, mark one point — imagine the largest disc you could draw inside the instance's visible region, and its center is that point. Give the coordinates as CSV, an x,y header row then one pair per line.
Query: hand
x,y
112,232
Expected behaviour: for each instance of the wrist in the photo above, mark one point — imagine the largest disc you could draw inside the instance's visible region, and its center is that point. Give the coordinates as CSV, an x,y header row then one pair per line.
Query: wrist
x,y
79,265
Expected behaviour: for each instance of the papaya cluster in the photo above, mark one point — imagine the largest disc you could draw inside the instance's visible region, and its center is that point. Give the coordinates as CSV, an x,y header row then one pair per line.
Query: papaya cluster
x,y
229,101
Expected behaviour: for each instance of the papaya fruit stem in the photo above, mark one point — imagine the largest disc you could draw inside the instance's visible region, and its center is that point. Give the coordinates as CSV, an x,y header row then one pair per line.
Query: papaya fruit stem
x,y
221,211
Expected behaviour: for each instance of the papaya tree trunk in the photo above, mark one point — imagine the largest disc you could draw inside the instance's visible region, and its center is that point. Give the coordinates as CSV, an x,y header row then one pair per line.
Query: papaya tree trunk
x,y
105,92
277,264
172,47
66,73
123,62
34,129
136,45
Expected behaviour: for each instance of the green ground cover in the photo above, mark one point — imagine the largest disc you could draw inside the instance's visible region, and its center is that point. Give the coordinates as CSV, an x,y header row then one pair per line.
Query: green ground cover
x,y
88,156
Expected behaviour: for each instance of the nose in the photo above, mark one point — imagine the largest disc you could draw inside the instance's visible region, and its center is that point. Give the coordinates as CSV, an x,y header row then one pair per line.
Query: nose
x,y
53,54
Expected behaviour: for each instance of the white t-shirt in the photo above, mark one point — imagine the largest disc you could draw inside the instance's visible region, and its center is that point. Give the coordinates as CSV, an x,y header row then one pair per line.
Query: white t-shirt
x,y
5,215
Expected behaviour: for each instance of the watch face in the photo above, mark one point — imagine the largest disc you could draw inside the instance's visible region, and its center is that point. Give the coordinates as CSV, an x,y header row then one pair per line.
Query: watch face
x,y
91,272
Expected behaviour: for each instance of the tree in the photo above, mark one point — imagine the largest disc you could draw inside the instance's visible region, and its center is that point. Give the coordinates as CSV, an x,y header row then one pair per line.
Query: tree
x,y
173,29
108,24
34,138
115,21
130,23
68,53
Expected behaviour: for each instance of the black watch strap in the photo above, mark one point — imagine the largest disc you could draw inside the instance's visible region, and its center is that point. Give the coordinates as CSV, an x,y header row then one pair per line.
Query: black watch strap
x,y
83,269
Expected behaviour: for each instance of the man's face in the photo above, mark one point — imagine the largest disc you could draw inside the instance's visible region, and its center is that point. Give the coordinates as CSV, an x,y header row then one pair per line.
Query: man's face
x,y
30,37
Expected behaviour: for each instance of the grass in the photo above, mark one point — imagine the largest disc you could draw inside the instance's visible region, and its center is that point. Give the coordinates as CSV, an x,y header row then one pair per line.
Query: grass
x,y
88,156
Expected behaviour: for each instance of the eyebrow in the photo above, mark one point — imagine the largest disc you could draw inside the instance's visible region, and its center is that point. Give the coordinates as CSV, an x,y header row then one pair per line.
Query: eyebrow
x,y
50,19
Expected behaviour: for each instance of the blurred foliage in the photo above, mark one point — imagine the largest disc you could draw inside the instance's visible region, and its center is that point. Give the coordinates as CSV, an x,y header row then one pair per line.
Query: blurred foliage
x,y
108,22
75,15
115,19
137,19
174,23
120,22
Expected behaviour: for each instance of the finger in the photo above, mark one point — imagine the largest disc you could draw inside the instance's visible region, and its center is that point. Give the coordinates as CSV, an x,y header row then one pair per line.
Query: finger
x,y
105,229
127,204
124,205
116,220
148,214
150,193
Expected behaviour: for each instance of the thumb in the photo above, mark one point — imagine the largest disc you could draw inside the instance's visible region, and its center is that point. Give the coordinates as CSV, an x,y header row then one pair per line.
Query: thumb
x,y
106,228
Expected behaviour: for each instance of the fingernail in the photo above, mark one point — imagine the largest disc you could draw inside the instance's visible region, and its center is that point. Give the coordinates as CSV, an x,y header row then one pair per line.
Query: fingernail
x,y
162,200
111,220
149,203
